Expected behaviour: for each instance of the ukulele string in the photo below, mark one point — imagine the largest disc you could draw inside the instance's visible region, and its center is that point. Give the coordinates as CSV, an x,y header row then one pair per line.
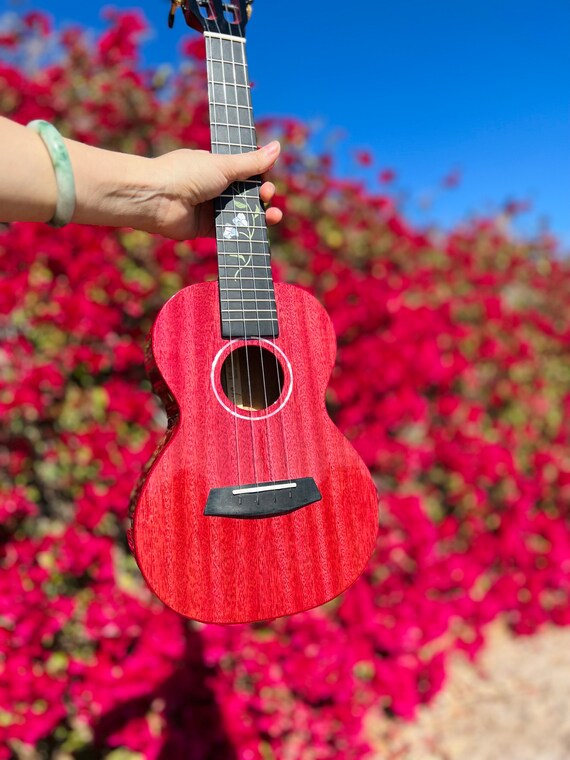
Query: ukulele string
x,y
237,192
280,389
256,200
265,237
257,310
225,276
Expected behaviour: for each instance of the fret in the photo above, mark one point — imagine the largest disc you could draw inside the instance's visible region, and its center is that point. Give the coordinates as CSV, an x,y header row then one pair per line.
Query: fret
x,y
249,226
241,187
263,257
242,278
249,319
251,192
255,182
241,206
242,232
244,246
246,203
261,312
239,307
256,258
238,291
241,109
248,300
240,294
246,310
221,60
226,279
230,84
228,144
241,241
247,266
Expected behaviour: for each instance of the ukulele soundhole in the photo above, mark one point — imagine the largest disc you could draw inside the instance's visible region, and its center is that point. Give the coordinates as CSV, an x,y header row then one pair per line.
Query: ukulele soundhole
x,y
252,377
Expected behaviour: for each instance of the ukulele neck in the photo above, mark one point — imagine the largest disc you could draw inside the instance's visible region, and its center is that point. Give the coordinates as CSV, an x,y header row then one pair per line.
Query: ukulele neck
x,y
247,296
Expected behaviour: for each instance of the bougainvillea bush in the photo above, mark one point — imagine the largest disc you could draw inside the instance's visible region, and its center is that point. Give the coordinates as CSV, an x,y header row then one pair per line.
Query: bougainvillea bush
x,y
452,380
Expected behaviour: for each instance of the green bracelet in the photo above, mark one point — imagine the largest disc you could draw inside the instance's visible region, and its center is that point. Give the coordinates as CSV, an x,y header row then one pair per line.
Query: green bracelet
x,y
53,141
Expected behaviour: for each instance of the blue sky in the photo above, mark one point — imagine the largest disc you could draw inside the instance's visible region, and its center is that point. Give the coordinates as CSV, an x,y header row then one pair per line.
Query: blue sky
x,y
480,87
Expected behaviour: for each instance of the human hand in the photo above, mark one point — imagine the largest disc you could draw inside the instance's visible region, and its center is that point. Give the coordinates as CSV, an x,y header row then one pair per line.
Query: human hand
x,y
185,182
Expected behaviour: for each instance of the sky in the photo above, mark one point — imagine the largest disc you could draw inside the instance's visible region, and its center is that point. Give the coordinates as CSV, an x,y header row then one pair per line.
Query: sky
x,y
477,89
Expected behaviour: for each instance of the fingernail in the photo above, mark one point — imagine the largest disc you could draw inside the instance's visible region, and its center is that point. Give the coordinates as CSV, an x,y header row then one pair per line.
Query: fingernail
x,y
272,149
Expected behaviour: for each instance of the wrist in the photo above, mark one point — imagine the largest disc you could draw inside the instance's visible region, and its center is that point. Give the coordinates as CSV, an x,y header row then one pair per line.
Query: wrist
x,y
29,190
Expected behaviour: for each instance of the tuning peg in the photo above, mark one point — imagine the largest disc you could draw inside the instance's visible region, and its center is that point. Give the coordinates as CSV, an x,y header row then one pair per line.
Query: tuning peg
x,y
232,7
174,5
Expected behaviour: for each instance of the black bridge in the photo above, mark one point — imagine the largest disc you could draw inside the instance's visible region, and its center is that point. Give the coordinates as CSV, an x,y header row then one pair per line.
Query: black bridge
x,y
278,497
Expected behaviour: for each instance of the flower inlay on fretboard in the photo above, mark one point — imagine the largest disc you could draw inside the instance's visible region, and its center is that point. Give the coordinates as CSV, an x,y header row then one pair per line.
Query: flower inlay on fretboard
x,y
240,227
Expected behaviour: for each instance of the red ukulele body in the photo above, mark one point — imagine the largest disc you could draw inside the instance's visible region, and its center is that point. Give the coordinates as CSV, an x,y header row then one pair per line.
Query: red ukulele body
x,y
254,506
230,569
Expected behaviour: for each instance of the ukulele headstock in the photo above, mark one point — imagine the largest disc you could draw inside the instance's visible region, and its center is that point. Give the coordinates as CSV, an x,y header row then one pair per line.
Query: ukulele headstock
x,y
216,16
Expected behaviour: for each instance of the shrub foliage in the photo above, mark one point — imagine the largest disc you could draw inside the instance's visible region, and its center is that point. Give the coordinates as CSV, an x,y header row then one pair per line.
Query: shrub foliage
x,y
452,381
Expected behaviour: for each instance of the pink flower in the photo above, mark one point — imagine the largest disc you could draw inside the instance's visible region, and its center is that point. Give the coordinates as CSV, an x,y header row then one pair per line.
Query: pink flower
x,y
387,176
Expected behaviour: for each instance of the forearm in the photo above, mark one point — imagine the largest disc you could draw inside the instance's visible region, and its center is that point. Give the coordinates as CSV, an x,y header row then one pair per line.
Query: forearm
x,y
111,188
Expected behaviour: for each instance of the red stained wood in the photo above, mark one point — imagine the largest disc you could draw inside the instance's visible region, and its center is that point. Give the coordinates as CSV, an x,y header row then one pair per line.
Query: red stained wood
x,y
232,570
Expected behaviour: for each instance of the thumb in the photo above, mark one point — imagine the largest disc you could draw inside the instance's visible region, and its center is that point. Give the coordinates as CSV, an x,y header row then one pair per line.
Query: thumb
x,y
246,165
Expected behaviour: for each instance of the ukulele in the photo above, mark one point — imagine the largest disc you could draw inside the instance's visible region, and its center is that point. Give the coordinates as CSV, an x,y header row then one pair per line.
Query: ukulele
x,y
254,506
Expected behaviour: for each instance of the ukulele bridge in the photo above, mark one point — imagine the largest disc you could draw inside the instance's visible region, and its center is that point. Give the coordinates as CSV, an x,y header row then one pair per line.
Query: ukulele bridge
x,y
262,499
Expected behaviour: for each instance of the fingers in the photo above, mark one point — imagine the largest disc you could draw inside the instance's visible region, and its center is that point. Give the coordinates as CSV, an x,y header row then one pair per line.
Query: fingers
x,y
273,216
246,165
266,193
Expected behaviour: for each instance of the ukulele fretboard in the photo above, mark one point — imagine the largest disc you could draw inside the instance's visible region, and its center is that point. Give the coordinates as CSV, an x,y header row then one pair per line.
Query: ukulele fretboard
x,y
247,297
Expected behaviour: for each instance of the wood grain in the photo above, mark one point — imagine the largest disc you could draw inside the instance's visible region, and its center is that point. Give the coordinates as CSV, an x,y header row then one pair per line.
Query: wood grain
x,y
230,570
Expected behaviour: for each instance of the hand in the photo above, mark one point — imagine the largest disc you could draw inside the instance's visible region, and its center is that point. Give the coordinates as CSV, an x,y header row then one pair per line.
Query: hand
x,y
170,195
186,182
